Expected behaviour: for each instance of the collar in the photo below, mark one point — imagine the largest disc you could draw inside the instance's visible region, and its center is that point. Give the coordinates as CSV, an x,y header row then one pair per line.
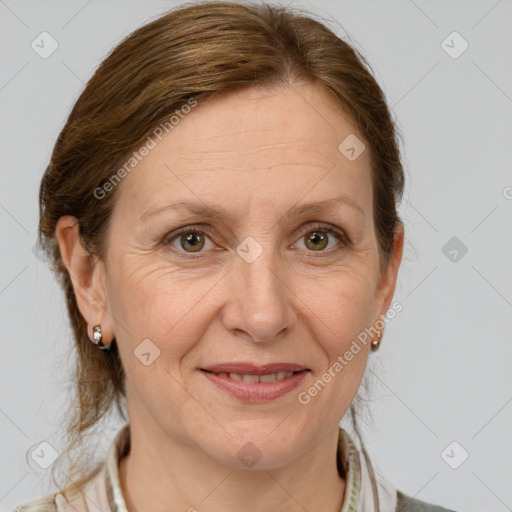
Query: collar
x,y
351,464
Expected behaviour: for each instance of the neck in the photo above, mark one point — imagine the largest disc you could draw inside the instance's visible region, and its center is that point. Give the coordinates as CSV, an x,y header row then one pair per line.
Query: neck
x,y
169,476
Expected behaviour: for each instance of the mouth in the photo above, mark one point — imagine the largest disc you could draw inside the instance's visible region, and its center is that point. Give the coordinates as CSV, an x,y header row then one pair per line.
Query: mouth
x,y
252,378
251,383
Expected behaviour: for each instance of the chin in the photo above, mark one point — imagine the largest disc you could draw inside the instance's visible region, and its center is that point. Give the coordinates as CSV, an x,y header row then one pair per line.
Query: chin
x,y
256,445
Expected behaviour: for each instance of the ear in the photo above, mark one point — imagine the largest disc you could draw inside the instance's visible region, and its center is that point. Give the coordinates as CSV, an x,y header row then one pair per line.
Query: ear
x,y
387,282
87,274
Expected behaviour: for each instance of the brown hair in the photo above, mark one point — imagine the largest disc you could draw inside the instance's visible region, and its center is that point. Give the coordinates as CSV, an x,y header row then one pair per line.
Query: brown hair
x,y
195,51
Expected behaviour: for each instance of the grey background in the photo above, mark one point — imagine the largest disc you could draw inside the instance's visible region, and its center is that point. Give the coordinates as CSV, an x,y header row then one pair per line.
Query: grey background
x,y
443,371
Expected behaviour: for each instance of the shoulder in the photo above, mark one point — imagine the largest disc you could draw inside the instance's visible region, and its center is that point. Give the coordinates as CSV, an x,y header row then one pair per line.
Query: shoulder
x,y
46,504
405,503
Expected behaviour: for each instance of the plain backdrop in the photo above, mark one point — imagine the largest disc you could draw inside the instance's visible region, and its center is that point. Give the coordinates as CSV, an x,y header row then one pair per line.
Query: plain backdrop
x,y
442,389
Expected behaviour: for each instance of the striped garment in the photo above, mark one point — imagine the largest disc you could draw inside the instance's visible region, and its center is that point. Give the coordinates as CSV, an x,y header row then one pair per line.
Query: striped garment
x,y
103,492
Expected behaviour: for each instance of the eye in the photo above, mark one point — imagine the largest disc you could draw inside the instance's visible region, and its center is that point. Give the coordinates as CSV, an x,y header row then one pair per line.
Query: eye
x,y
189,240
318,237
192,240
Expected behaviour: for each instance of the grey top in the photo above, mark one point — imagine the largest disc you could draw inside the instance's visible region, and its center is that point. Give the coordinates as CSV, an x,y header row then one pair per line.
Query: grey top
x,y
103,492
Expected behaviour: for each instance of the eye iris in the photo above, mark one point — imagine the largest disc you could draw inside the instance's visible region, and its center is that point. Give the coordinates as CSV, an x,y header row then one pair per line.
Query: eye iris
x,y
191,239
316,237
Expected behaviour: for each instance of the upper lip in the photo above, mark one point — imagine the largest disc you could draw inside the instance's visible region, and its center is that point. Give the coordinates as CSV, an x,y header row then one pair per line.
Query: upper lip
x,y
252,369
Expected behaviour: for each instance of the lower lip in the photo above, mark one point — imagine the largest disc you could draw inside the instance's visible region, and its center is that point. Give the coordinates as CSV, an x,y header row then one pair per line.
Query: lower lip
x,y
256,391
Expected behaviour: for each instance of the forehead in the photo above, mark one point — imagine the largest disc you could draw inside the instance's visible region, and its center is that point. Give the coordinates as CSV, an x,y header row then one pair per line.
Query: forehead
x,y
250,143
264,122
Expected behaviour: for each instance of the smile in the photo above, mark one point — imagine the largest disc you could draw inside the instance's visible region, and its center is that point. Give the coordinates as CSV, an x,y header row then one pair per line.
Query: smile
x,y
256,384
247,377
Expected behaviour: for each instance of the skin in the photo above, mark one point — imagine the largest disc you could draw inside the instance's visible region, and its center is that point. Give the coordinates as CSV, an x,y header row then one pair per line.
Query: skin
x,y
257,153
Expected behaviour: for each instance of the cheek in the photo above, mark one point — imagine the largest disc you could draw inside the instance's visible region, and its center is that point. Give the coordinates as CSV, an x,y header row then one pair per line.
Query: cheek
x,y
343,305
152,302
174,308
341,313
342,309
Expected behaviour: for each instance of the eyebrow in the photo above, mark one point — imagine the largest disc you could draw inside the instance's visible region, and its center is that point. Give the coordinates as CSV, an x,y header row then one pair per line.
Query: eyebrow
x,y
204,210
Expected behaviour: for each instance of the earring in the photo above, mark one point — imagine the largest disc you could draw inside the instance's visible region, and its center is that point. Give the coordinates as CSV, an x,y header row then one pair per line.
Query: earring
x,y
376,343
97,337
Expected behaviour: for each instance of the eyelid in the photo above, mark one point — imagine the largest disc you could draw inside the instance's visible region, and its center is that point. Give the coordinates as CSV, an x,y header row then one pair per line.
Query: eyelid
x,y
329,228
189,228
192,228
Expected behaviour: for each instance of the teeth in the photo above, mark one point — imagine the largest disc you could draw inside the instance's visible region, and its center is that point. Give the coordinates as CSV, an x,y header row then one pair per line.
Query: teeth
x,y
256,378
250,378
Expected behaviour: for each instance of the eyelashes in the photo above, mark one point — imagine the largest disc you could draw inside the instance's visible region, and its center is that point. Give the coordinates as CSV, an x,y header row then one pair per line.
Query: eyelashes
x,y
318,232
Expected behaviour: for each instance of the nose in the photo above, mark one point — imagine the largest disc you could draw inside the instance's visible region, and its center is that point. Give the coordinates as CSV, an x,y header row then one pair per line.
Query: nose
x,y
259,306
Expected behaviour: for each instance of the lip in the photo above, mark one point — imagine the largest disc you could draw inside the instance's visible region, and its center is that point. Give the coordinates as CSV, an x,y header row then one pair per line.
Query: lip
x,y
255,392
253,369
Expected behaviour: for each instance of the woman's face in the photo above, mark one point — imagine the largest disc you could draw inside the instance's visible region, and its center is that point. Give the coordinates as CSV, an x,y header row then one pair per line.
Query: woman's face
x,y
213,259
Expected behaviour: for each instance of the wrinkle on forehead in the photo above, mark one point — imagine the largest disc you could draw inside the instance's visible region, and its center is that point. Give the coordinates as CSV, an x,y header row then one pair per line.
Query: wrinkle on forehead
x,y
289,145
301,113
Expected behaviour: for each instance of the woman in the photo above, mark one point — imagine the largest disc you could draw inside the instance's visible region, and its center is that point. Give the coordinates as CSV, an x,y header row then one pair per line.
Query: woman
x,y
221,209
